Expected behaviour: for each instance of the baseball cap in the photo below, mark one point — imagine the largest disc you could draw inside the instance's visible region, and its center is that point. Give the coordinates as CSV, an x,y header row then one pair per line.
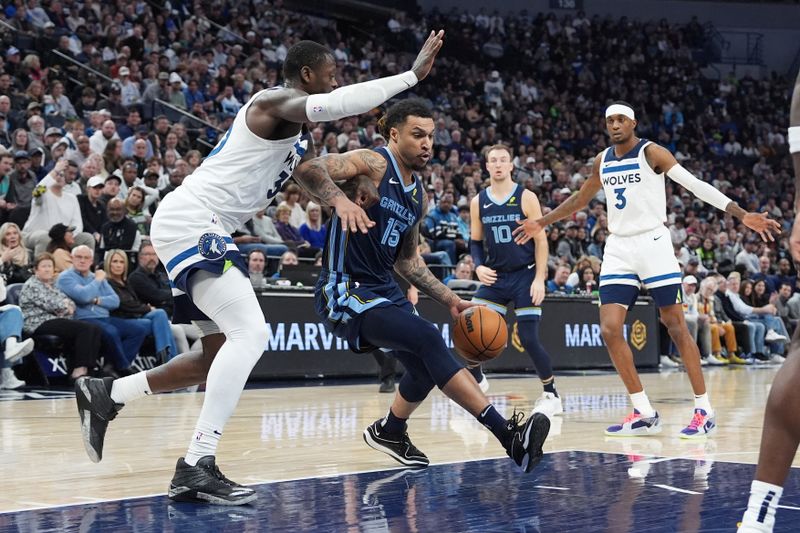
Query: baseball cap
x,y
547,178
690,280
36,152
163,76
12,51
124,71
142,129
52,131
95,181
58,231
565,190
530,160
570,225
175,78
495,74
34,105
694,261
113,177
21,154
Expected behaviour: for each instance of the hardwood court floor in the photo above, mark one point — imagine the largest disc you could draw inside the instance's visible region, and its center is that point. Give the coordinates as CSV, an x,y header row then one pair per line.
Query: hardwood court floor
x,y
315,431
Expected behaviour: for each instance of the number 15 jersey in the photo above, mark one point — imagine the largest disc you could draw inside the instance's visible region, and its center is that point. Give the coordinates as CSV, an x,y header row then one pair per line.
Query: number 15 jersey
x,y
634,192
369,258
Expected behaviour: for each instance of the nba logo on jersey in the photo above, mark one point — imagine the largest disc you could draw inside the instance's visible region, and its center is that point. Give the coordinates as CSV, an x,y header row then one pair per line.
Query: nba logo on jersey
x,y
211,246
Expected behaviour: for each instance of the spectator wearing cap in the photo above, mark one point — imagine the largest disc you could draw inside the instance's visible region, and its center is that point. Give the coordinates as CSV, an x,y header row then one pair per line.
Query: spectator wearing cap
x,y
62,239
113,103
112,184
20,191
747,257
155,91
13,60
129,89
119,231
51,136
38,162
100,138
176,96
93,209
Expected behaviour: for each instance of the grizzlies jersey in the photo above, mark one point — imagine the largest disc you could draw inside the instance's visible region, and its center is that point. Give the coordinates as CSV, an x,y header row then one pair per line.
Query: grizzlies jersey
x,y
499,218
244,172
369,258
634,192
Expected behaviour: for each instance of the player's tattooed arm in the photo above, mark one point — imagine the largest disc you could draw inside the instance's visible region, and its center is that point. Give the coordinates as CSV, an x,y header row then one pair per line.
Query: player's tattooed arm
x,y
412,267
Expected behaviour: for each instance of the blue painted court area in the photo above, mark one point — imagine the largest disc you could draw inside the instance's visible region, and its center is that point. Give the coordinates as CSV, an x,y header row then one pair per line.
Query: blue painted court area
x,y
569,491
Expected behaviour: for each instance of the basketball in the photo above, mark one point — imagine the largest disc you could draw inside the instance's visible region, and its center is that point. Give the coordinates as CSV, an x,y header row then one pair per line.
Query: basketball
x,y
480,334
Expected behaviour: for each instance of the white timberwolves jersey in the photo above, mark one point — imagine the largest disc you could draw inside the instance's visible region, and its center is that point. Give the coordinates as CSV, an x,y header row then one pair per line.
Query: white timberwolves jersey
x,y
634,193
244,172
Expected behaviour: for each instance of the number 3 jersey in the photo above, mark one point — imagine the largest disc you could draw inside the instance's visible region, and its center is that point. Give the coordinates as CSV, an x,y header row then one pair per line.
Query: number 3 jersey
x,y
634,192
369,258
244,172
499,217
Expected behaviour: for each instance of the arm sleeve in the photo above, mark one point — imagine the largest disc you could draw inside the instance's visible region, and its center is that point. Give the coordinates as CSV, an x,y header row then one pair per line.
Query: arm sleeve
x,y
476,249
701,189
356,99
740,307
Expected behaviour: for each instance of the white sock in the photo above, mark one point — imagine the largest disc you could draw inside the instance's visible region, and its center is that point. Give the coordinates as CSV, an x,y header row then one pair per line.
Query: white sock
x,y
702,402
205,441
129,388
642,404
760,513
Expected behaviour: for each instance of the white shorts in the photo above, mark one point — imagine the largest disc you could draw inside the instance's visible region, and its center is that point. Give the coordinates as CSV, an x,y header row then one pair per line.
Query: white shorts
x,y
644,259
188,236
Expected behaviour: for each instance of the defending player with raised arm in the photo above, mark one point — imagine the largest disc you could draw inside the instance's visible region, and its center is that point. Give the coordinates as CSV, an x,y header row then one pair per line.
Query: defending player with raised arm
x,y
510,272
360,301
639,250
781,434
191,233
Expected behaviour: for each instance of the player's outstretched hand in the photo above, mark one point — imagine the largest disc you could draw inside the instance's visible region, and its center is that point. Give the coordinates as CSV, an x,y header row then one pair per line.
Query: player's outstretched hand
x,y
459,306
360,190
537,292
486,275
527,230
422,65
762,225
353,217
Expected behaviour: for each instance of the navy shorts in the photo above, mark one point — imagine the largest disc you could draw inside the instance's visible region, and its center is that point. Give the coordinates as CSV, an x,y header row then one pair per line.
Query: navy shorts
x,y
512,287
342,304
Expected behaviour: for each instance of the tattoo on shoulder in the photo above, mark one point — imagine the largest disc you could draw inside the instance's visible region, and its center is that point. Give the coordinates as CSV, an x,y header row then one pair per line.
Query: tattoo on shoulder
x,y
374,162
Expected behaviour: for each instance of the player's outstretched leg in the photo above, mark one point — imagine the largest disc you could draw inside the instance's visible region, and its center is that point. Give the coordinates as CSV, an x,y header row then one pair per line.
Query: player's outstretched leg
x,y
99,400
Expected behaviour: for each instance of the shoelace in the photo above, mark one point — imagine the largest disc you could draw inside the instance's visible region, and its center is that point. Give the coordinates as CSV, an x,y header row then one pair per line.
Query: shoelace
x,y
697,421
219,475
515,420
630,417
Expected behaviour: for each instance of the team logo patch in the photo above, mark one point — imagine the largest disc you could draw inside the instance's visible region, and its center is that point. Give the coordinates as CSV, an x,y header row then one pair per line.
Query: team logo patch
x,y
639,335
212,246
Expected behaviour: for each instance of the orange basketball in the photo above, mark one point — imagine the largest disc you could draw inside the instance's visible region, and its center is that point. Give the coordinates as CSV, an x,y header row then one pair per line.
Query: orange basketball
x,y
480,334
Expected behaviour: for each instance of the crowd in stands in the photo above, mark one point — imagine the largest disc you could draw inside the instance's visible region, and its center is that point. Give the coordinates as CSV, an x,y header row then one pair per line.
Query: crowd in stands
x,y
88,154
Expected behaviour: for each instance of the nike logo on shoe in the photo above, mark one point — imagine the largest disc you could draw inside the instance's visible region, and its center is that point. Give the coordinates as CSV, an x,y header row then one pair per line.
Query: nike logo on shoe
x,y
656,238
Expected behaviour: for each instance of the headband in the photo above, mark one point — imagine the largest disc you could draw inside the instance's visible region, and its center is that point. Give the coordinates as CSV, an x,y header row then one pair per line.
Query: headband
x,y
620,109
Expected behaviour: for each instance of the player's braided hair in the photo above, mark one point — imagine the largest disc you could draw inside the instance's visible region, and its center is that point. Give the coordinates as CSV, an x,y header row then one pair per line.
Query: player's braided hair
x,y
397,114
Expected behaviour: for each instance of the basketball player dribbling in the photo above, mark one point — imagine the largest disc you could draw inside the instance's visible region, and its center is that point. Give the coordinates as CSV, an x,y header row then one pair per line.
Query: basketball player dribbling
x,y
510,272
781,433
191,232
360,301
639,250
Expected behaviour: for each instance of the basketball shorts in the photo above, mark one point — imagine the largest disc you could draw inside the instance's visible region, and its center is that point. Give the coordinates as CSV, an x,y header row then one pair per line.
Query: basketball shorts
x,y
643,259
511,287
187,237
342,303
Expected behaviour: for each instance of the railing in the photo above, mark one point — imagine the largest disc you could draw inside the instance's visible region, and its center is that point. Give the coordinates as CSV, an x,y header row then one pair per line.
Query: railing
x,y
734,47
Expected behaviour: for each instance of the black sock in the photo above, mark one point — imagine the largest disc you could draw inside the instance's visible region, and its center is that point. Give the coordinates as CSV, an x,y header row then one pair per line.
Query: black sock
x,y
550,385
393,424
498,425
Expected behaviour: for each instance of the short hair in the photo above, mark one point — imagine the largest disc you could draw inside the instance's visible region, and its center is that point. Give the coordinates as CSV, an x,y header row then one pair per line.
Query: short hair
x,y
256,251
44,256
500,147
399,112
304,54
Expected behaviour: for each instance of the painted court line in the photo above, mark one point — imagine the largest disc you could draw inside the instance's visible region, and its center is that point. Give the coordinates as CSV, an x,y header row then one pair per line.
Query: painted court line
x,y
675,489
791,508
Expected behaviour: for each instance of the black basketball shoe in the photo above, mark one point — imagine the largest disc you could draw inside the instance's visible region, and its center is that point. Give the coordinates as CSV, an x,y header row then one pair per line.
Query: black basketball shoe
x,y
525,441
396,445
204,483
97,409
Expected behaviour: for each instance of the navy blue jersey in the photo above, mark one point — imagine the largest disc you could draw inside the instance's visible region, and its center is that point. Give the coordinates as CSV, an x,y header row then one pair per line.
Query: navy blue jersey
x,y
369,258
499,218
